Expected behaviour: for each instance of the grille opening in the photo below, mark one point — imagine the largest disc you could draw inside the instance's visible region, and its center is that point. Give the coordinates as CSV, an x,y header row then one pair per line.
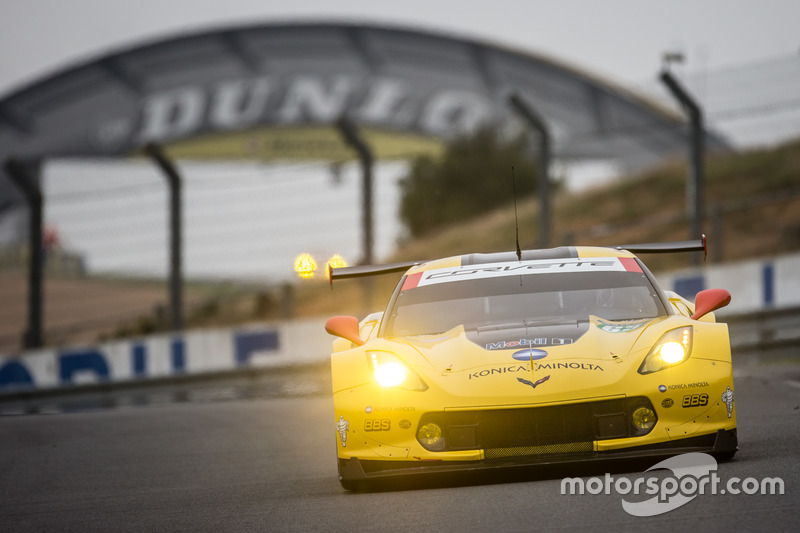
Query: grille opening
x,y
557,429
462,437
568,448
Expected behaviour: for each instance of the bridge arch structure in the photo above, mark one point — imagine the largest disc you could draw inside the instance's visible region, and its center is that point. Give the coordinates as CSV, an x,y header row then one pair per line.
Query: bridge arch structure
x,y
271,91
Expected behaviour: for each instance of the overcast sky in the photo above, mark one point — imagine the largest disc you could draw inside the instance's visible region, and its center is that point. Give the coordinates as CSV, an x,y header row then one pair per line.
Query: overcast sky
x,y
622,40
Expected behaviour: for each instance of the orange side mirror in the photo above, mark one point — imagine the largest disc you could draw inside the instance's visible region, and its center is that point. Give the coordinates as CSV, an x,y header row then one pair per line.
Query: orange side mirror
x,y
345,327
710,300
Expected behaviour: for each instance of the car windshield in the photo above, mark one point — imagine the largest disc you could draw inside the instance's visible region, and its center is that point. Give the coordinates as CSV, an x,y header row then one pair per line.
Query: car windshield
x,y
522,300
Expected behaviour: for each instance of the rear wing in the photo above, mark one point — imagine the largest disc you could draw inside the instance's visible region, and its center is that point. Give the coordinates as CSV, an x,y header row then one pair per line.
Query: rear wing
x,y
368,270
696,245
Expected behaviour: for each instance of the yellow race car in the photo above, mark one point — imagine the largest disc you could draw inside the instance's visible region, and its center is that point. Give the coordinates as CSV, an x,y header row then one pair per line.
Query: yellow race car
x,y
526,358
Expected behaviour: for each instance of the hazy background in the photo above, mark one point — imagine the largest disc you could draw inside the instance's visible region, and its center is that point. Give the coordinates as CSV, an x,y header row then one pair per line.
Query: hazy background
x,y
619,39
742,60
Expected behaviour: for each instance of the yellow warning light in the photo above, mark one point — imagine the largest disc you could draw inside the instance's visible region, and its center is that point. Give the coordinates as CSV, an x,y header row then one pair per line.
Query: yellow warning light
x,y
305,266
337,261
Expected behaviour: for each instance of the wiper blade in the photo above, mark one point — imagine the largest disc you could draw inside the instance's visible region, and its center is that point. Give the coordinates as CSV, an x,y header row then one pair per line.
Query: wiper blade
x,y
634,319
525,324
561,321
499,326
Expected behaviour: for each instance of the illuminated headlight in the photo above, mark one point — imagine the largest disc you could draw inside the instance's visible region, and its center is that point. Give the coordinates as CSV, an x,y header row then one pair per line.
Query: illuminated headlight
x,y
673,348
390,374
389,371
672,352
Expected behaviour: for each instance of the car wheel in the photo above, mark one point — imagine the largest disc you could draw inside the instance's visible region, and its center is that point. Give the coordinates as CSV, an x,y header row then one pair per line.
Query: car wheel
x,y
722,457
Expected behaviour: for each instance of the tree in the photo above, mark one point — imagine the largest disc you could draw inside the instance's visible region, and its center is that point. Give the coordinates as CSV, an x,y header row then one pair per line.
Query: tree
x,y
473,177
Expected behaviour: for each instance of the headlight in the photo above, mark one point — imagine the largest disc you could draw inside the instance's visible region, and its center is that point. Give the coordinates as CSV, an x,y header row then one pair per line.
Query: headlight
x,y
673,348
390,374
643,419
389,371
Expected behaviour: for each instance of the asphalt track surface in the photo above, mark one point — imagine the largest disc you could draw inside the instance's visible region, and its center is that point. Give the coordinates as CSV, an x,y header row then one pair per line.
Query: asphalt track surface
x,y
265,461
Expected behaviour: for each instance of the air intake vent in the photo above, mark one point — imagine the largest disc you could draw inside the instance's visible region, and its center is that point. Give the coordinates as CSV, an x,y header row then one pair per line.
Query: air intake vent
x,y
567,448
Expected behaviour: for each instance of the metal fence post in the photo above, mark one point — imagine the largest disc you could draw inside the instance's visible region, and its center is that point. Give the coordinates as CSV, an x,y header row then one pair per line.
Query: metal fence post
x,y
694,186
535,121
25,176
351,136
176,241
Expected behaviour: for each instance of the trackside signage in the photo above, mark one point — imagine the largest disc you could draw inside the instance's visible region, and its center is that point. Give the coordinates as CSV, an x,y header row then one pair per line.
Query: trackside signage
x,y
523,268
235,104
690,475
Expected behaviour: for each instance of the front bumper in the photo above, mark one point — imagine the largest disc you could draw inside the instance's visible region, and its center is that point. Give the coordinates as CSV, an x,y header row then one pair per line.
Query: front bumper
x,y
377,429
723,443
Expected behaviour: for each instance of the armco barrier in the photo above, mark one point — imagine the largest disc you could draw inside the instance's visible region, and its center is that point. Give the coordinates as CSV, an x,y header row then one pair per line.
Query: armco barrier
x,y
167,356
766,332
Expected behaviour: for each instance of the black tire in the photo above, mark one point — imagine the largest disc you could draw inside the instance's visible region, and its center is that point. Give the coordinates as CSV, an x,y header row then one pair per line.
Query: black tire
x,y
723,457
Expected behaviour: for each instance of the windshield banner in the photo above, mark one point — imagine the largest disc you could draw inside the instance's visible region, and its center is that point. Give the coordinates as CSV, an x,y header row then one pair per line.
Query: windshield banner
x,y
520,268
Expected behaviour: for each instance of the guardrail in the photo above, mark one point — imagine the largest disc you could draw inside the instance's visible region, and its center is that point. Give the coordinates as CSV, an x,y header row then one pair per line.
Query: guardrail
x,y
767,332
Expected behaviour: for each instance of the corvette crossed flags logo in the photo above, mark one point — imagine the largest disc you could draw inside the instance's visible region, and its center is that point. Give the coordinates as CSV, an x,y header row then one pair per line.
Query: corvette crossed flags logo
x,y
533,383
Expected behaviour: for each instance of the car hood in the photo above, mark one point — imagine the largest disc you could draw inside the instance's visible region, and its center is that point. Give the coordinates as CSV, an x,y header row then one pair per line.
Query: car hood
x,y
555,361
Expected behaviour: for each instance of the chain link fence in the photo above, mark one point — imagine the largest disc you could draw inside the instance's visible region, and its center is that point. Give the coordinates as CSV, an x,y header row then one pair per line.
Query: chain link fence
x,y
107,241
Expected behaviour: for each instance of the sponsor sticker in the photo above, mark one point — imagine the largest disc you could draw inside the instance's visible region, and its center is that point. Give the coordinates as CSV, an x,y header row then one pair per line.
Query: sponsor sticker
x,y
497,370
517,268
662,388
679,386
695,400
529,354
537,367
539,341
405,424
727,397
569,366
666,403
377,424
341,427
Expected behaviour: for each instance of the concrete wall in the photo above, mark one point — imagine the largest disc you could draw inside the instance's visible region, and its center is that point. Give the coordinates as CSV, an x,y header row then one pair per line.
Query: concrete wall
x,y
162,356
754,285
